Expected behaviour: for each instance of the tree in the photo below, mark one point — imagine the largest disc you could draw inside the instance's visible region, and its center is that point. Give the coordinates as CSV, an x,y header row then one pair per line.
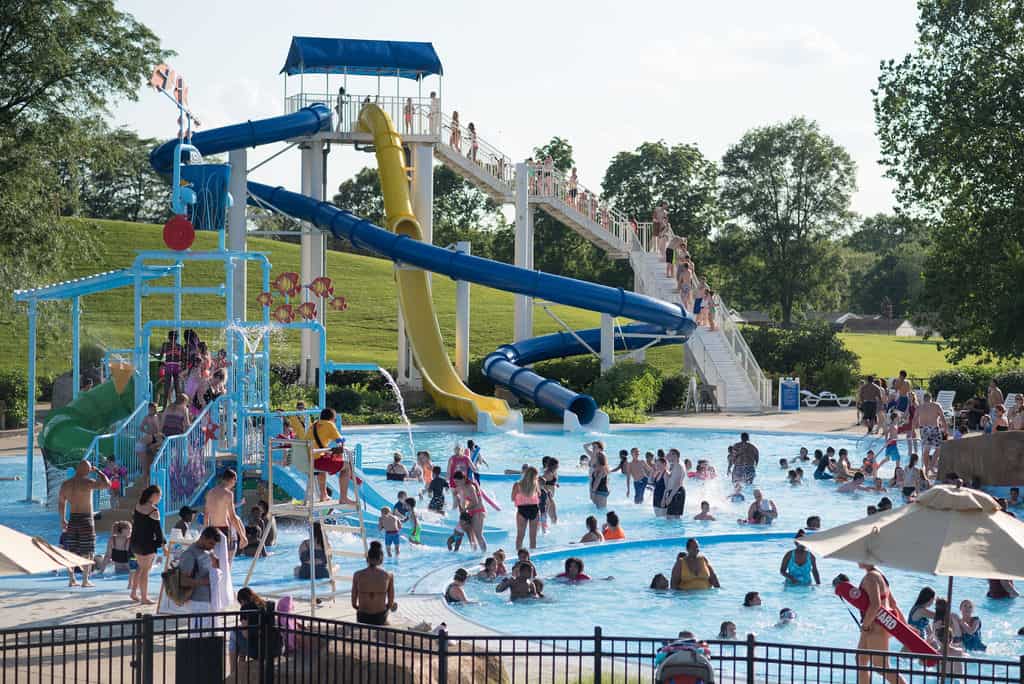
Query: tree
x,y
884,257
460,212
789,186
949,118
561,250
61,62
636,181
116,180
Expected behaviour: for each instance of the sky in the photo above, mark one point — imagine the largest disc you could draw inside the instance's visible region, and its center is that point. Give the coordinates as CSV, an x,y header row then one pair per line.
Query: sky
x,y
605,75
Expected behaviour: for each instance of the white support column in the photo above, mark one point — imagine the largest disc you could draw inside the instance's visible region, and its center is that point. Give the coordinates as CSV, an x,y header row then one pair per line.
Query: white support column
x,y
309,160
462,319
236,227
316,252
422,195
607,342
523,313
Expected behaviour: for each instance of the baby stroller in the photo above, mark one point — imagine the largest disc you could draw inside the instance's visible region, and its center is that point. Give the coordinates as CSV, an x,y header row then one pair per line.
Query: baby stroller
x,y
685,662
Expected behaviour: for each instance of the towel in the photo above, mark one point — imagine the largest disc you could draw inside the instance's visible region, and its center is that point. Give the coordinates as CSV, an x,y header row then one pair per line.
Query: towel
x,y
222,591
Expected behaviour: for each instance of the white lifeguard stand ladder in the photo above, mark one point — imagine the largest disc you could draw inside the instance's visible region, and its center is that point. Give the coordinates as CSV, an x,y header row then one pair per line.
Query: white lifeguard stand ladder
x,y
302,455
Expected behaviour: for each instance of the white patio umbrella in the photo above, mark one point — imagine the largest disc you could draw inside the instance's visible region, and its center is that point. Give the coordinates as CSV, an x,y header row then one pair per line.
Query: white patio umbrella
x,y
21,554
948,531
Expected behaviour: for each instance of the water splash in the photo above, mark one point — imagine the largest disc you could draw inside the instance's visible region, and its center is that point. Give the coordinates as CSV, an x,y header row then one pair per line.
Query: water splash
x,y
401,407
252,335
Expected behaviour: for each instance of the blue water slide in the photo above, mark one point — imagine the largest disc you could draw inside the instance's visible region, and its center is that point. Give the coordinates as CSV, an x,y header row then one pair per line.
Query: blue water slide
x,y
505,364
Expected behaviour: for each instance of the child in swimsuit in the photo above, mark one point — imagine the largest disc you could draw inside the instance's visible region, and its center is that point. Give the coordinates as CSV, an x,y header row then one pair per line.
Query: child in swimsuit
x,y
391,525
455,540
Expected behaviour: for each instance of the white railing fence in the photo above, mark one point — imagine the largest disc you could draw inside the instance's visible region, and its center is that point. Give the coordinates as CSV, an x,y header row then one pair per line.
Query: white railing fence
x,y
411,115
474,148
741,352
549,184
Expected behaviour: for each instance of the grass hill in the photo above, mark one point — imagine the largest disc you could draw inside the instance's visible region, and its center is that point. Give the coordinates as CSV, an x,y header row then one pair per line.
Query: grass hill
x,y
366,332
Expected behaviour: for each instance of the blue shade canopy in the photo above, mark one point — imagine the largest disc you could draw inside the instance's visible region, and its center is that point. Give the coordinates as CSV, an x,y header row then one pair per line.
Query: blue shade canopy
x,y
361,57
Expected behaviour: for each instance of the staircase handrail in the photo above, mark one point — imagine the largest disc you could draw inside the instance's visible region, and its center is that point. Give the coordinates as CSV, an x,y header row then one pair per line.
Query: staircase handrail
x,y
130,460
489,158
158,469
551,184
741,349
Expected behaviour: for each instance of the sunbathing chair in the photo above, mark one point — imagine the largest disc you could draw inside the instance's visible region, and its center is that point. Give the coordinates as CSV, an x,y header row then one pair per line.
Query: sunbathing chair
x,y
811,399
945,401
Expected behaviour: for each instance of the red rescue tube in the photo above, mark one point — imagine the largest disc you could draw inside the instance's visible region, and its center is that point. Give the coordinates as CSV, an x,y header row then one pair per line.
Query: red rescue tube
x,y
893,624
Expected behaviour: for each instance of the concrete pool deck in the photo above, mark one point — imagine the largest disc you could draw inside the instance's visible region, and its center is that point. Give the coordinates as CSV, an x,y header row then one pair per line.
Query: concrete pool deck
x,y
20,608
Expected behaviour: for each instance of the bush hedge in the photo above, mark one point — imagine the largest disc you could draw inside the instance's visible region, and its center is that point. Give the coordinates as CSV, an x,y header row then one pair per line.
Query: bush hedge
x,y
811,351
629,385
972,381
14,394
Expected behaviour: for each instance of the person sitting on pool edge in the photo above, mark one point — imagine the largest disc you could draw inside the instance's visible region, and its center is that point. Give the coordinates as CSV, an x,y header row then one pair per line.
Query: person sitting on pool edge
x,y
692,570
454,592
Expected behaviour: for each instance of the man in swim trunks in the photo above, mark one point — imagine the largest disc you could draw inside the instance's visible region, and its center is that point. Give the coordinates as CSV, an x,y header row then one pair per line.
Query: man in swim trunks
x,y
868,398
933,427
79,531
639,471
745,457
995,398
219,512
903,389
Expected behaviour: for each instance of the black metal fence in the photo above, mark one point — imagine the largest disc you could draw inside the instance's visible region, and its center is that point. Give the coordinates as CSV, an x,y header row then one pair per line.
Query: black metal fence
x,y
266,647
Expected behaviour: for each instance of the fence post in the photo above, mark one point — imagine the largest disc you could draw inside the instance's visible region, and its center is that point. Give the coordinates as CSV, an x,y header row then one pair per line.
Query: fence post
x,y
146,672
597,654
751,643
267,627
442,656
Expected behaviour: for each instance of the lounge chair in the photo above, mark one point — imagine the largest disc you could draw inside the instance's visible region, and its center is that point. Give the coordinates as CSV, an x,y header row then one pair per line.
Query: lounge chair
x,y
945,401
811,399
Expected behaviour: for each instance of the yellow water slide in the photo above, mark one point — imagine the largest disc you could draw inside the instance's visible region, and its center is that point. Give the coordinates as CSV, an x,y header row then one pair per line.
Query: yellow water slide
x,y
422,329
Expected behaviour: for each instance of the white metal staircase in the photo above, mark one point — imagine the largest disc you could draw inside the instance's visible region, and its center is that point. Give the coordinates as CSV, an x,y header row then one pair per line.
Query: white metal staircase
x,y
720,355
486,167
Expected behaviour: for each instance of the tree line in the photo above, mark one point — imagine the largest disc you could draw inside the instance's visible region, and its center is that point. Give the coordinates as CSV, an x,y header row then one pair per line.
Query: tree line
x,y
770,223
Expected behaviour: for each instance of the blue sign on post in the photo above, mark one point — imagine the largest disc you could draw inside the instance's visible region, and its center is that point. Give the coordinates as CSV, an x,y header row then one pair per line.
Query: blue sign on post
x,y
789,394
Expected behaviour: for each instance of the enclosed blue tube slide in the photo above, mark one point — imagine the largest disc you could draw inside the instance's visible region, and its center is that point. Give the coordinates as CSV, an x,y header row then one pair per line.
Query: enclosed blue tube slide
x,y
506,365
662,317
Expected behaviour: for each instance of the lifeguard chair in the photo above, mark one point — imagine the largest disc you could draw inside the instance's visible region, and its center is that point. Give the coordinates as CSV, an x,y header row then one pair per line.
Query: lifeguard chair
x,y
300,454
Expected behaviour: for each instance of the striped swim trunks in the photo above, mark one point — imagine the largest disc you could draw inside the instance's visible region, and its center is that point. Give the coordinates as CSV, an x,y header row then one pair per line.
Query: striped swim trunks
x,y
80,537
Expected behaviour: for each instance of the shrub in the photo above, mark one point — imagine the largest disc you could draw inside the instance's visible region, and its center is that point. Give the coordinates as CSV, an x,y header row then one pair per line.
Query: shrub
x,y
673,390
90,356
344,399
14,394
806,351
477,381
837,377
628,385
968,381
1011,381
375,381
577,373
286,374
619,414
286,395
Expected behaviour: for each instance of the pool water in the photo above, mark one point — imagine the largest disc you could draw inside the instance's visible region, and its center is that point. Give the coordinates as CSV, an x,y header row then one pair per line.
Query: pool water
x,y
624,605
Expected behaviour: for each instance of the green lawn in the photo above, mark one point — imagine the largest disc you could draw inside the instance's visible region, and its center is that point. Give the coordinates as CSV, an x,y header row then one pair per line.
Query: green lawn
x,y
886,355
366,332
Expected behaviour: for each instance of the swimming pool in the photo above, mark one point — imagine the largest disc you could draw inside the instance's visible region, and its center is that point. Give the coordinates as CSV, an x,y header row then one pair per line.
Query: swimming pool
x,y
624,605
